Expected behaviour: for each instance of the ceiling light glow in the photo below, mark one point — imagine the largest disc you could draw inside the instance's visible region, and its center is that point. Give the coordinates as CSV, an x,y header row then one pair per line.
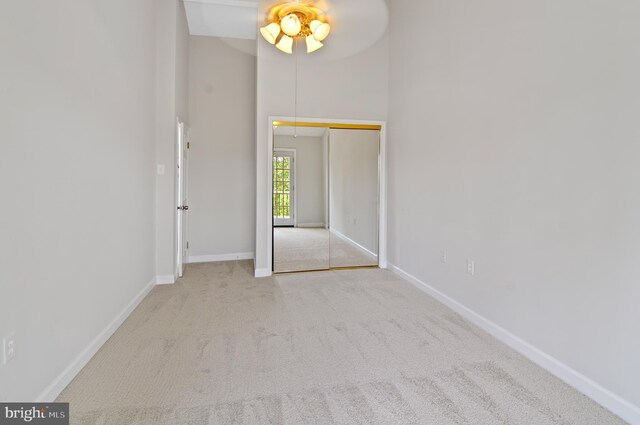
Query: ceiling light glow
x,y
295,20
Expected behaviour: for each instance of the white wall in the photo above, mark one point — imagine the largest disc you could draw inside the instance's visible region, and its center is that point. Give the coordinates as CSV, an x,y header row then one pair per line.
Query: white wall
x,y
182,63
309,178
514,142
352,88
172,100
353,185
76,175
222,99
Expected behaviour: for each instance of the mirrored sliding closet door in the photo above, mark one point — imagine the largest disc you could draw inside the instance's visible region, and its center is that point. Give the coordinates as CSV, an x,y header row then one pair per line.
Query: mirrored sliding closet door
x,y
300,226
325,197
353,197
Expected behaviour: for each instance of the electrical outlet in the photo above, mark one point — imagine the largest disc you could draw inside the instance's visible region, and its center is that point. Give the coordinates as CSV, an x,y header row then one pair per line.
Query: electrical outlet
x,y
443,256
8,348
471,267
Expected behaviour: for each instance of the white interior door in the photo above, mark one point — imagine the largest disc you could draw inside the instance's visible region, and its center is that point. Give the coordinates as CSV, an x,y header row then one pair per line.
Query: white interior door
x,y
284,188
185,197
181,199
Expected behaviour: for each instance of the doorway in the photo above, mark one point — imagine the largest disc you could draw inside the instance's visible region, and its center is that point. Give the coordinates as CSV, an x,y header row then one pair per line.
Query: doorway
x,y
182,245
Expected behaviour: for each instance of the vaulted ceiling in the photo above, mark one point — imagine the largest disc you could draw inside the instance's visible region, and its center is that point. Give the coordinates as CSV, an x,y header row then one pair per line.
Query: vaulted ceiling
x,y
223,18
356,24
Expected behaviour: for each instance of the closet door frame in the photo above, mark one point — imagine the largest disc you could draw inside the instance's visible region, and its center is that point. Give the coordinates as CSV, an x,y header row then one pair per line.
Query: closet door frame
x,y
275,121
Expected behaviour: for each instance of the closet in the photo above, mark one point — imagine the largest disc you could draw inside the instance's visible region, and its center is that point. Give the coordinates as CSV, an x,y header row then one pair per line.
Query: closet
x,y
326,187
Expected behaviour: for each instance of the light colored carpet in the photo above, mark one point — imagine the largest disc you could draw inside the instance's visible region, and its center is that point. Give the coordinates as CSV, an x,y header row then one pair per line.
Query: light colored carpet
x,y
343,253
300,249
339,347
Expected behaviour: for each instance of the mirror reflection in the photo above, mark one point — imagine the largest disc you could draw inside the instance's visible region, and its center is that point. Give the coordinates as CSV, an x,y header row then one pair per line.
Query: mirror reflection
x,y
300,233
325,198
353,199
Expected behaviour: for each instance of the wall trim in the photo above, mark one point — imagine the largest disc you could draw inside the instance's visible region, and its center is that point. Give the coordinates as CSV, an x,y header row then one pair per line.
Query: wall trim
x,y
220,257
606,398
165,280
351,241
263,273
54,389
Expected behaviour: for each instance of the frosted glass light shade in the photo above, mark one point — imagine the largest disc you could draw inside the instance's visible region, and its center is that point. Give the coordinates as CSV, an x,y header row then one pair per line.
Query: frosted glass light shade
x,y
291,25
285,44
313,44
270,32
314,25
322,31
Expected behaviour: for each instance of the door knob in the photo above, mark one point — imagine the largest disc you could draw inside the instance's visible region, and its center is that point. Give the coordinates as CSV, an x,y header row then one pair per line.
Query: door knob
x,y
184,208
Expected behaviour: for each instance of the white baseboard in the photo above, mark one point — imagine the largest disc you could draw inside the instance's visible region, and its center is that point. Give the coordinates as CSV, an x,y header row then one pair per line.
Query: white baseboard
x,y
351,241
61,381
616,404
263,273
221,257
165,280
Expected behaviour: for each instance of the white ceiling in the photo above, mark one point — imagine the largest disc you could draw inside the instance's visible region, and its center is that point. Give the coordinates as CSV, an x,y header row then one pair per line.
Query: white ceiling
x,y
356,24
300,131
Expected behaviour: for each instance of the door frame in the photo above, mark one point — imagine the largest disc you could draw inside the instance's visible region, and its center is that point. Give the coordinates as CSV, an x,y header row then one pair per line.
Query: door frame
x,y
181,216
326,123
295,184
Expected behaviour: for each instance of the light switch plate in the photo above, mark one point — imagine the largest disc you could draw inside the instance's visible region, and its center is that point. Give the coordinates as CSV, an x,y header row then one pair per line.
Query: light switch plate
x,y
471,267
8,348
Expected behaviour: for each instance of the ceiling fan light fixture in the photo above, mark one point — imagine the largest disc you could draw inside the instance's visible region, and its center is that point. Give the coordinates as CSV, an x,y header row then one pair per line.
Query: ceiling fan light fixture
x,y
270,32
291,25
322,31
314,25
313,44
285,44
295,20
